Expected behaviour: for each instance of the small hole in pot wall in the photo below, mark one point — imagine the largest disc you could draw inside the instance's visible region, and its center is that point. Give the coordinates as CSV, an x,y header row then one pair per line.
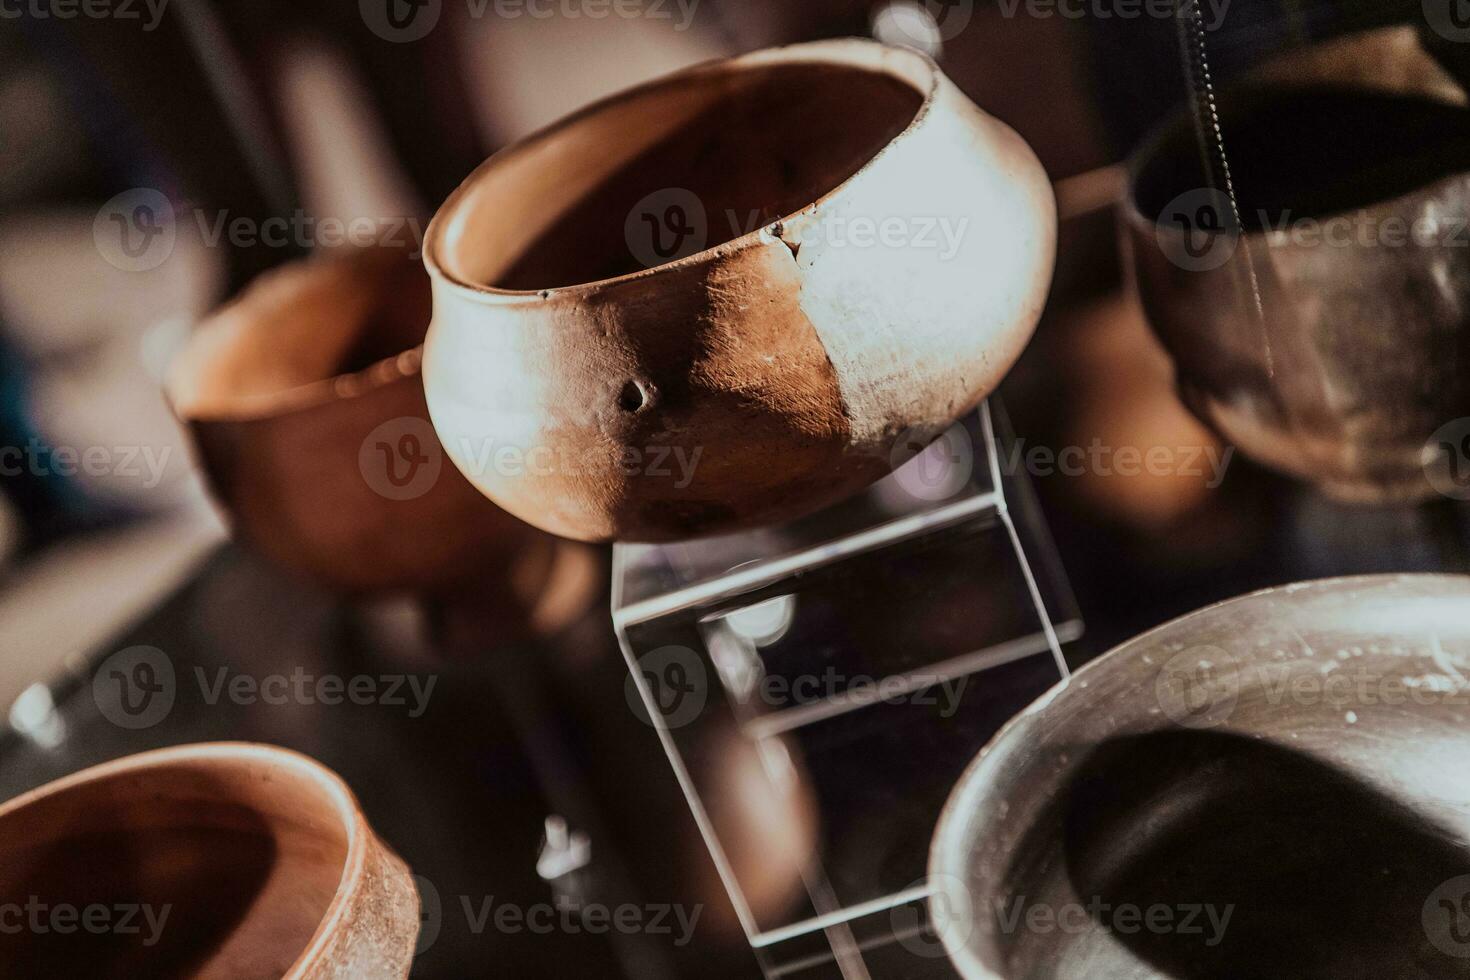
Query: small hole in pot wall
x,y
631,399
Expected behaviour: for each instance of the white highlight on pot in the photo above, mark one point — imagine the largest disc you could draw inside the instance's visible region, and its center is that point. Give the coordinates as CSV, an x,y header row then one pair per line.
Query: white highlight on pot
x,y
34,716
908,24
765,622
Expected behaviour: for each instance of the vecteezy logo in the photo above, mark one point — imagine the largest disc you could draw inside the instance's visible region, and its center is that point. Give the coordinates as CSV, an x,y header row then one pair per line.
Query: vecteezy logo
x,y
400,20
401,458
402,12
665,226
938,929
676,680
135,230
1197,230
1450,19
933,469
135,688
1198,687
431,911
950,16
1446,917
1447,459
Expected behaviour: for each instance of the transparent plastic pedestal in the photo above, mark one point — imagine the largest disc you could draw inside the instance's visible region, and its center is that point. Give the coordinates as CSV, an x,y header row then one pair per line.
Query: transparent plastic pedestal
x,y
819,688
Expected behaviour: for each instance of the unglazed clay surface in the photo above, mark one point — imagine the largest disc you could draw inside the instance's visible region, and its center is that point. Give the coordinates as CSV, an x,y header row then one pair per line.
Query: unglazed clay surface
x,y
775,361
251,862
304,400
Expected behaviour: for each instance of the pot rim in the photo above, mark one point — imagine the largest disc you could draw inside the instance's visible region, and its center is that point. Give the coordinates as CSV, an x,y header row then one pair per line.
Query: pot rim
x,y
924,76
1249,94
971,786
340,796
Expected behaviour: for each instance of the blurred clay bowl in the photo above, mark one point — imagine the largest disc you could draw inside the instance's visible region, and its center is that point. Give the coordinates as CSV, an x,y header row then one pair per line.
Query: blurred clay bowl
x,y
307,409
722,299
1322,331
239,862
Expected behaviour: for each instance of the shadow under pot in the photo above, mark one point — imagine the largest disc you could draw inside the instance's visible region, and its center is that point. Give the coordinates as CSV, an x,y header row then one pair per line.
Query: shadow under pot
x,y
1269,787
1325,327
726,299
221,861
306,405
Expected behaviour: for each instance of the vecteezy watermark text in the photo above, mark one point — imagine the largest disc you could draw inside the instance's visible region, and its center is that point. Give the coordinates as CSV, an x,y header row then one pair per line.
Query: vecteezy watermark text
x,y
1117,9
485,457
35,458
405,21
1201,919
39,917
955,911
485,913
1200,229
150,12
403,458
672,223
137,688
677,683
408,691
1200,687
137,230
1100,459
571,918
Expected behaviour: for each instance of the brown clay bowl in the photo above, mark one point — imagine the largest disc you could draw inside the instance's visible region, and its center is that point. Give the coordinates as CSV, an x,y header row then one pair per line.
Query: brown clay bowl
x,y
230,862
307,410
722,299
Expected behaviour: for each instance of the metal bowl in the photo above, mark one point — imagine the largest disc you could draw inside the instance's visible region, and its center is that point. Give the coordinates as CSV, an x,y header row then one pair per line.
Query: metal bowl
x,y
1274,786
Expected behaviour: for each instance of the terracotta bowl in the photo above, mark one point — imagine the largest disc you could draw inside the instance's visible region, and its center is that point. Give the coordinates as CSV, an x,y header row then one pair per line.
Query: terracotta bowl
x,y
722,299
229,861
307,409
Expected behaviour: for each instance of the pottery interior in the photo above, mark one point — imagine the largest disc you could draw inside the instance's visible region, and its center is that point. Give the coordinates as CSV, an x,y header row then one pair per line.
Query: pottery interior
x,y
747,147
253,862
1230,761
1359,351
662,305
307,410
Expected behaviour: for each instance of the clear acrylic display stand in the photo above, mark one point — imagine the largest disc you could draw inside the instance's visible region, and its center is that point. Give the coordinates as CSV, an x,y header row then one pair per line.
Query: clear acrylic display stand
x,y
819,688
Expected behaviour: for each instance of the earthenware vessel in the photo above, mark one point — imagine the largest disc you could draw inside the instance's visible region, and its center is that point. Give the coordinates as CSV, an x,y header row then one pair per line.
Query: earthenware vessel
x,y
306,406
1272,786
224,860
1323,330
728,297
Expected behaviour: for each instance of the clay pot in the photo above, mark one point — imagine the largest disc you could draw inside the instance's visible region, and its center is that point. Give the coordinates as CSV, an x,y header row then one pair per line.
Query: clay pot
x,y
1323,331
237,861
722,299
306,405
1284,769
